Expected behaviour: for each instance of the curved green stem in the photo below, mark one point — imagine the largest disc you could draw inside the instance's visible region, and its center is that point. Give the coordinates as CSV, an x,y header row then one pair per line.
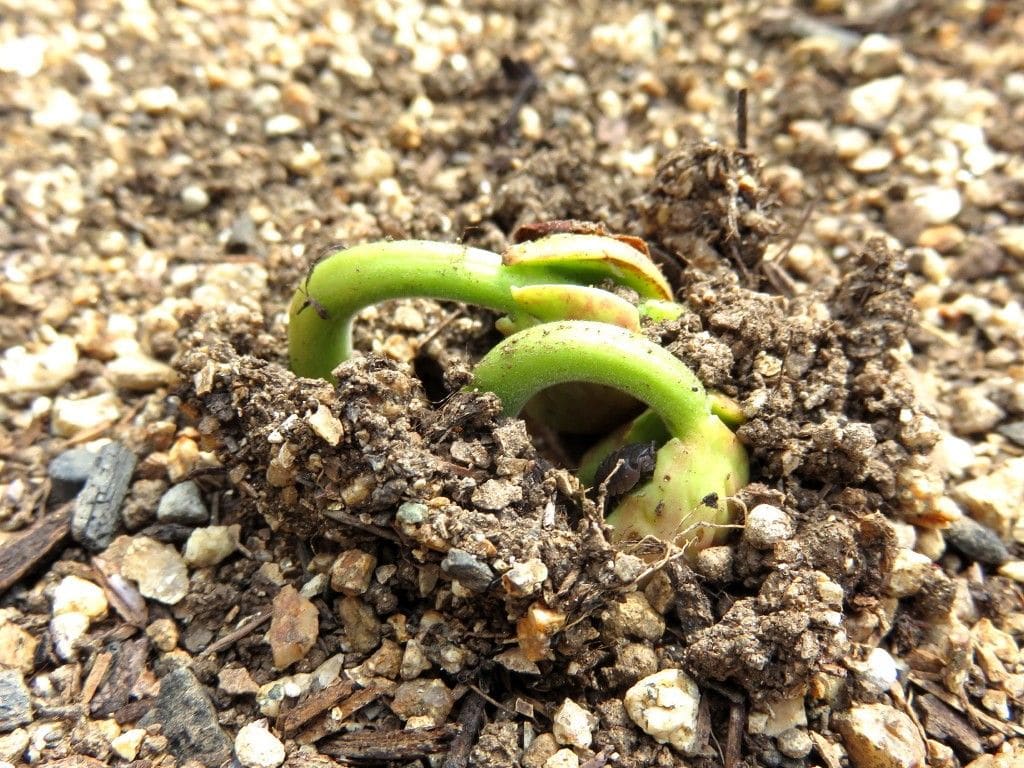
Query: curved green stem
x,y
578,350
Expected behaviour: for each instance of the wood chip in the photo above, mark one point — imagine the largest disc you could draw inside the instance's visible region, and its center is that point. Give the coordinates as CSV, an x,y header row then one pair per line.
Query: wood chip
x,y
333,721
391,745
115,690
22,553
99,669
944,724
471,718
314,705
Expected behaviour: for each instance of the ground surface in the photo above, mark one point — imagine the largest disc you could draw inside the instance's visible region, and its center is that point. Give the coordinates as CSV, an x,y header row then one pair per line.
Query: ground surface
x,y
241,575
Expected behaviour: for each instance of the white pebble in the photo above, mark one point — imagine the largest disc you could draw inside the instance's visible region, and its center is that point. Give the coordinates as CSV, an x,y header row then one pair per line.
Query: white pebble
x,y
209,546
127,745
665,705
256,747
909,572
876,100
283,124
43,370
157,99
939,205
766,526
194,198
23,56
158,570
572,725
563,758
872,160
65,631
69,417
77,595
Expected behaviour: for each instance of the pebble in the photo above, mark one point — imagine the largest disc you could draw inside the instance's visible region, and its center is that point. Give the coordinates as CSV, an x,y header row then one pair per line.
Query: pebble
x,y
183,504
189,720
61,110
1013,569
127,745
1013,431
524,579
876,56
496,495
879,736
15,704
156,99
994,499
563,758
938,205
944,238
294,627
467,570
795,743
13,745
23,56
977,542
236,681
70,417
633,616
283,124
875,101
665,706
164,634
910,571
872,160
879,671
423,698
77,595
97,512
414,661
69,472
242,238
573,726
1011,239
65,632
411,513
140,373
778,716
194,198
766,526
157,568
209,546
326,425
44,370
17,647
373,165
256,747
352,572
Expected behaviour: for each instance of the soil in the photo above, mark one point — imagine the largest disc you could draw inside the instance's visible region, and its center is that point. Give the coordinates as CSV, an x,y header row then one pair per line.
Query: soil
x,y
166,210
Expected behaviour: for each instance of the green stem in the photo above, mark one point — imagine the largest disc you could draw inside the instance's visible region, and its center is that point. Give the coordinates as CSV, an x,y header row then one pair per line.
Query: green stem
x,y
555,353
322,309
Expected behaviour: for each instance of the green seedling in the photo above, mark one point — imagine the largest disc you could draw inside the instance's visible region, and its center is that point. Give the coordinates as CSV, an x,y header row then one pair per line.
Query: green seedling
x,y
700,462
552,278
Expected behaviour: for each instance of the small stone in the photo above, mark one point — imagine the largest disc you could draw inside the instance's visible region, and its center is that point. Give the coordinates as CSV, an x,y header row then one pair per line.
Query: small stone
x,y
182,504
563,758
879,736
938,205
871,160
68,473
977,542
875,101
573,726
77,595
69,417
140,373
17,647
326,425
23,56
1013,569
15,704
910,571
944,238
61,110
539,750
524,579
467,570
294,627
767,526
305,161
236,681
352,571
127,745
879,671
1013,431
97,514
45,370
194,198
1011,239
256,747
633,616
208,546
362,628
535,630
157,99
773,718
65,632
164,634
189,720
242,238
715,564
13,746
411,513
795,743
157,568
876,56
282,125
994,499
665,706
414,661
374,165
423,698
496,495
